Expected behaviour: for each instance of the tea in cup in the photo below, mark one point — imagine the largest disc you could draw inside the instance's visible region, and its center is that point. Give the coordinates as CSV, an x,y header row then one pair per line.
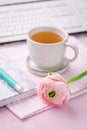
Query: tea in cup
x,y
47,47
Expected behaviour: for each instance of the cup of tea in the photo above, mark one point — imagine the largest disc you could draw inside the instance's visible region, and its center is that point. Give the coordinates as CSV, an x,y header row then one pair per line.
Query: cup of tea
x,y
47,47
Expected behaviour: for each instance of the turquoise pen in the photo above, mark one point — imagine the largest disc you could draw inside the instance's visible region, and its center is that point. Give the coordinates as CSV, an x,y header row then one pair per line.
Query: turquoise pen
x,y
10,81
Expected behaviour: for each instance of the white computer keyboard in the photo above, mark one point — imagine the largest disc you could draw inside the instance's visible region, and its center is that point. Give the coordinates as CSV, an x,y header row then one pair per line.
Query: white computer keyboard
x,y
16,20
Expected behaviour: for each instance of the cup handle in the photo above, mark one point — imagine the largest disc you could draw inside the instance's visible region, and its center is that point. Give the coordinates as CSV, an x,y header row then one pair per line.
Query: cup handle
x,y
76,52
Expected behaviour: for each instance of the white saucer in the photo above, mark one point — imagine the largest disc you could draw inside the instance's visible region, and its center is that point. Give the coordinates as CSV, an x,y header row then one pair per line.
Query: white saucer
x,y
33,68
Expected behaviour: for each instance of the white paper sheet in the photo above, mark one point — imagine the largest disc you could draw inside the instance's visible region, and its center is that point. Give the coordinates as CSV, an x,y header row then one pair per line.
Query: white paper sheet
x,y
31,106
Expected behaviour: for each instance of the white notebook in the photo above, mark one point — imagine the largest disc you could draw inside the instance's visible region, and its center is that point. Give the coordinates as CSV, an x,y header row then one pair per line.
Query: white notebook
x,y
12,61
31,106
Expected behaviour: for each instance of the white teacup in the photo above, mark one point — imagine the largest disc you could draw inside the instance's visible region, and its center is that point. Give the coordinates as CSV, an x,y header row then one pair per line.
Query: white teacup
x,y
47,55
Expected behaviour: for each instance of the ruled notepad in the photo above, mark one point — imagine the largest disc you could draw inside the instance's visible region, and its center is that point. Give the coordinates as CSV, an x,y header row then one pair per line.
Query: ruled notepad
x,y
31,106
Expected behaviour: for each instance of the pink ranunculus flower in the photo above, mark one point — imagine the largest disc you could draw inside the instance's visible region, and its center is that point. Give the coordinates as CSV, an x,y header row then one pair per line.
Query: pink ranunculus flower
x,y
54,90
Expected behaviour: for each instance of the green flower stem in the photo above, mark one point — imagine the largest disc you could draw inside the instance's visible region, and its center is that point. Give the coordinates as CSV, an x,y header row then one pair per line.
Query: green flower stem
x,y
77,77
